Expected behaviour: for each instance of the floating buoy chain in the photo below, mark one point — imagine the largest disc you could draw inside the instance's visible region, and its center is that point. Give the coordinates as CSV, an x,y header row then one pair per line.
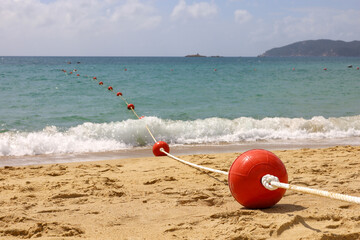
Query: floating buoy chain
x,y
272,183
131,107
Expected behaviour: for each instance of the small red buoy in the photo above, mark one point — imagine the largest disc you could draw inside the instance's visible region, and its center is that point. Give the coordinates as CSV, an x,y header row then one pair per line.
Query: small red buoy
x,y
357,68
94,78
130,106
141,117
78,75
70,72
245,176
119,94
158,145
325,69
101,83
125,69
110,88
75,70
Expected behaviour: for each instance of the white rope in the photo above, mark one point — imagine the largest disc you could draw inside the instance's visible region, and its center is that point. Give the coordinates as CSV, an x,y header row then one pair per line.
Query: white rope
x,y
192,164
271,182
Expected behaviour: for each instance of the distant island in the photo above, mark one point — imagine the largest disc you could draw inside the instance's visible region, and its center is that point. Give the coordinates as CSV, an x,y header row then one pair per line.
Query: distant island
x,y
198,55
316,48
195,55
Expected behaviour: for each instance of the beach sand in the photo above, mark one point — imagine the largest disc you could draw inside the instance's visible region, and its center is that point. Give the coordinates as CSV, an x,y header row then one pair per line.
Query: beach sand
x,y
160,198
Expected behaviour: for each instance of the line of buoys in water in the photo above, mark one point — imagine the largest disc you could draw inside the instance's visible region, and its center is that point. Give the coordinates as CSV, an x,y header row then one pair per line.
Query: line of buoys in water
x,y
130,106
158,144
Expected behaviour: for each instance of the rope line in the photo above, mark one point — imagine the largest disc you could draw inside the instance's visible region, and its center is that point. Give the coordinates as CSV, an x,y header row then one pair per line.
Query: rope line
x,y
145,125
272,183
193,164
131,108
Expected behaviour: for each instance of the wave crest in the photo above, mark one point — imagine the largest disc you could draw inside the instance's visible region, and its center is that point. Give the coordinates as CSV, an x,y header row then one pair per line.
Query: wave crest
x,y
100,137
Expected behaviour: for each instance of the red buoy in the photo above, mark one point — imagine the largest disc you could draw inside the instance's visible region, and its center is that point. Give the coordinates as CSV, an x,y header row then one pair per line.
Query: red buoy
x,y
94,78
119,94
158,145
245,176
130,106
110,88
325,69
101,83
78,75
125,69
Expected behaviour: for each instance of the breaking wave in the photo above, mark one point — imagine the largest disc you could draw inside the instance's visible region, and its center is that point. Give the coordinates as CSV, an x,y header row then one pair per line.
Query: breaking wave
x,y
101,137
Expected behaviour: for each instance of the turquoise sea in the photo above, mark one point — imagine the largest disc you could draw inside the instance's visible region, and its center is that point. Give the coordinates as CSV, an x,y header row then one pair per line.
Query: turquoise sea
x,y
185,101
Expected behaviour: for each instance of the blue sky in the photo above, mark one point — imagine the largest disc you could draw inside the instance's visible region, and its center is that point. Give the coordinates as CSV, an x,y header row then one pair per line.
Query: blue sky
x,y
170,27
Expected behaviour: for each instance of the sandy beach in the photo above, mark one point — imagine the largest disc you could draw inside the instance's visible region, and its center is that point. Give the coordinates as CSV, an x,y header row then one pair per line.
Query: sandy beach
x,y
159,198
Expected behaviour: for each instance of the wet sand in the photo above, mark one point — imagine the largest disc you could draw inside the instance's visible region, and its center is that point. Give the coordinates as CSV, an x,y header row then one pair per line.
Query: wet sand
x,y
160,198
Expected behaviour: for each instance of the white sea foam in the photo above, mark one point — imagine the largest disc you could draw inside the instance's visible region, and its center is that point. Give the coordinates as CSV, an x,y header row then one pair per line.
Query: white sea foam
x,y
100,137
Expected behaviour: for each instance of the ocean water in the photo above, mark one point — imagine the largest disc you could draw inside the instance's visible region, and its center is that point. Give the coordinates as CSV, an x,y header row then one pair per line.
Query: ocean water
x,y
185,101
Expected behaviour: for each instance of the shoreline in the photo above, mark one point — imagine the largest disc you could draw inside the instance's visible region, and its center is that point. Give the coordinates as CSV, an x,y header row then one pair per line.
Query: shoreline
x,y
175,150
158,198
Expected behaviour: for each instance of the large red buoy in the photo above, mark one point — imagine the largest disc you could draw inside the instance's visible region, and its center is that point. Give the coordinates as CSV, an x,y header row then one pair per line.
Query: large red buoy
x,y
118,94
245,178
158,145
110,88
94,78
101,83
130,106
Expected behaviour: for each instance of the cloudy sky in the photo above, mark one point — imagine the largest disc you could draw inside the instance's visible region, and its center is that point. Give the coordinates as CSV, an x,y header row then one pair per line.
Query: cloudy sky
x,y
170,27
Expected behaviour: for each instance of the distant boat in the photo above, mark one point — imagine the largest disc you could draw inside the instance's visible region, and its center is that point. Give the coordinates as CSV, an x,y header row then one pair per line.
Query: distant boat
x,y
350,66
195,55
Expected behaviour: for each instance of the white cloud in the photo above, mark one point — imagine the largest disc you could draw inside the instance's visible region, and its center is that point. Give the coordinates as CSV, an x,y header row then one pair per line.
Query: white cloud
x,y
242,16
195,10
141,15
72,27
79,15
320,23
